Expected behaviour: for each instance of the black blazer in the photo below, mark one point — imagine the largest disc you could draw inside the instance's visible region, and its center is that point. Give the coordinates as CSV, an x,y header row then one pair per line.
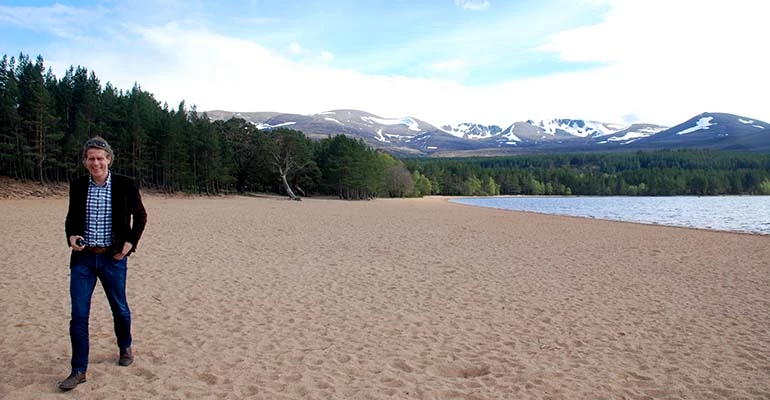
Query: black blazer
x,y
126,203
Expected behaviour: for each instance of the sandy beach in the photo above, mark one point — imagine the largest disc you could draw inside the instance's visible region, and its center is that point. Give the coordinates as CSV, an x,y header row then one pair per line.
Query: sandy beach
x,y
265,298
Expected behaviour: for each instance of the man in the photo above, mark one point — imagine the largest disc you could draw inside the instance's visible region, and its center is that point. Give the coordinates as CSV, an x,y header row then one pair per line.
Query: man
x,y
104,222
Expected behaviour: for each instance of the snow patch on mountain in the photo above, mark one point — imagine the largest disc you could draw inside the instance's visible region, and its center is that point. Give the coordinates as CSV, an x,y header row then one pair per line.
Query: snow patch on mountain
x,y
384,137
750,122
472,131
334,120
702,124
577,127
633,135
510,136
264,125
408,122
452,131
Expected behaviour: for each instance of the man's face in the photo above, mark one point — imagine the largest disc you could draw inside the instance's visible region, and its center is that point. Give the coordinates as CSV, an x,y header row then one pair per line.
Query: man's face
x,y
97,163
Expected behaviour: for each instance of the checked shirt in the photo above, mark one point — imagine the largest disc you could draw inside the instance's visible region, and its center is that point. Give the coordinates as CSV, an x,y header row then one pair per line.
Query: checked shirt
x,y
99,214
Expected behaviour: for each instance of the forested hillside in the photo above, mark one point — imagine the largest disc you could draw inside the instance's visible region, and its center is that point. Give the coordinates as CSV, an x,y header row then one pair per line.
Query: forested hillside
x,y
45,120
659,173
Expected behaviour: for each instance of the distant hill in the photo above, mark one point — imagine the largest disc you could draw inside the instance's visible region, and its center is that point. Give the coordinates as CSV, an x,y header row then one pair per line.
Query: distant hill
x,y
412,136
717,131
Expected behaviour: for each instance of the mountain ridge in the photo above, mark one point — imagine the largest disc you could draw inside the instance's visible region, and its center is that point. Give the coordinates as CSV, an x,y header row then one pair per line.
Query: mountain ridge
x,y
412,136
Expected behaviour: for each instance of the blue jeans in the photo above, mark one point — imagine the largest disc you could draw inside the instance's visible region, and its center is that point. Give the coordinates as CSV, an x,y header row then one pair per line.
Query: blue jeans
x,y
84,272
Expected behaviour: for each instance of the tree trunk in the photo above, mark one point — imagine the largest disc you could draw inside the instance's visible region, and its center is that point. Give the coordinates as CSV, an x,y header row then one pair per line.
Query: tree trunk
x,y
286,185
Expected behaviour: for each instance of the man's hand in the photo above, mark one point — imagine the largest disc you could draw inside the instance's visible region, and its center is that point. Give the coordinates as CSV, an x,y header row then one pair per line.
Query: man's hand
x,y
126,248
74,243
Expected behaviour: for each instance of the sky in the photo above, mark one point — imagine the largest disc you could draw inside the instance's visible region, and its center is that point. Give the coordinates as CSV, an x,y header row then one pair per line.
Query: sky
x,y
441,61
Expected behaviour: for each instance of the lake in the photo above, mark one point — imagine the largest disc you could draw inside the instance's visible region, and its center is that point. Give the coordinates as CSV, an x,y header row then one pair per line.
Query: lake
x,y
724,213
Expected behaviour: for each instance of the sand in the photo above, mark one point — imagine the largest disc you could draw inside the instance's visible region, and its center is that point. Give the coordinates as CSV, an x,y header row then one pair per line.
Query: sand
x,y
265,298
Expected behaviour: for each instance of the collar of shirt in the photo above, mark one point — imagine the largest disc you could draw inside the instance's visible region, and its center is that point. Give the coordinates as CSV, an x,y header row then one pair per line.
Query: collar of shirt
x,y
107,182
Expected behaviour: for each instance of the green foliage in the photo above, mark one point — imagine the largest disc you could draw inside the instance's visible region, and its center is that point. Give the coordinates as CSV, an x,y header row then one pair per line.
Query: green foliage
x,y
422,185
12,142
471,186
660,173
490,187
764,187
352,170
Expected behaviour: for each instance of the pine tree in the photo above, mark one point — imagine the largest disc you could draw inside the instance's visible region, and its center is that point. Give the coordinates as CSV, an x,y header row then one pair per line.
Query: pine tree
x,y
11,155
37,119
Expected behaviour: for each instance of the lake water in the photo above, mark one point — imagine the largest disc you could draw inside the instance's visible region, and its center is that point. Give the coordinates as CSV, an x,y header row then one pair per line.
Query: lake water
x,y
724,213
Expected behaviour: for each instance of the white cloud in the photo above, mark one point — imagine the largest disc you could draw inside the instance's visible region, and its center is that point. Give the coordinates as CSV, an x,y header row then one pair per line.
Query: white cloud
x,y
474,5
668,60
659,62
663,29
450,65
301,54
64,21
218,72
296,49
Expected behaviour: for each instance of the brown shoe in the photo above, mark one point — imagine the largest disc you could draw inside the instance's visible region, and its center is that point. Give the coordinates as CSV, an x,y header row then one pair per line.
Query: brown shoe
x,y
126,357
73,380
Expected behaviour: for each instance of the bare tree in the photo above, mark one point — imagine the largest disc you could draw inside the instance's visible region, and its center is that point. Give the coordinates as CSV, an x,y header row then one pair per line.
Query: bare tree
x,y
290,151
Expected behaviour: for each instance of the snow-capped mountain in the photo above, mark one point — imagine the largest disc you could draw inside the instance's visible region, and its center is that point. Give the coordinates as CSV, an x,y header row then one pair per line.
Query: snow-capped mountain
x,y
469,130
576,127
412,136
715,131
631,134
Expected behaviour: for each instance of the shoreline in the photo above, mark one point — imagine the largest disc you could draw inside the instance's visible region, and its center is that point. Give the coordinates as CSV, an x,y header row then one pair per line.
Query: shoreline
x,y
16,190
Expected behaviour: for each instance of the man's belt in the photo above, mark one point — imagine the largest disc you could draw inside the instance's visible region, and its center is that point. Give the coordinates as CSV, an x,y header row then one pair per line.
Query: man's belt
x,y
97,250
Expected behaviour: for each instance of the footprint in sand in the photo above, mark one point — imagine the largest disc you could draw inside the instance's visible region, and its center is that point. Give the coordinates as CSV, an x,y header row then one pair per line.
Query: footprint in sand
x,y
208,378
460,371
402,366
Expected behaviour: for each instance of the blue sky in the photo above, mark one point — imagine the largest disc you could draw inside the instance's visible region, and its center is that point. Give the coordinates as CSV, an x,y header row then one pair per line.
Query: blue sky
x,y
444,61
